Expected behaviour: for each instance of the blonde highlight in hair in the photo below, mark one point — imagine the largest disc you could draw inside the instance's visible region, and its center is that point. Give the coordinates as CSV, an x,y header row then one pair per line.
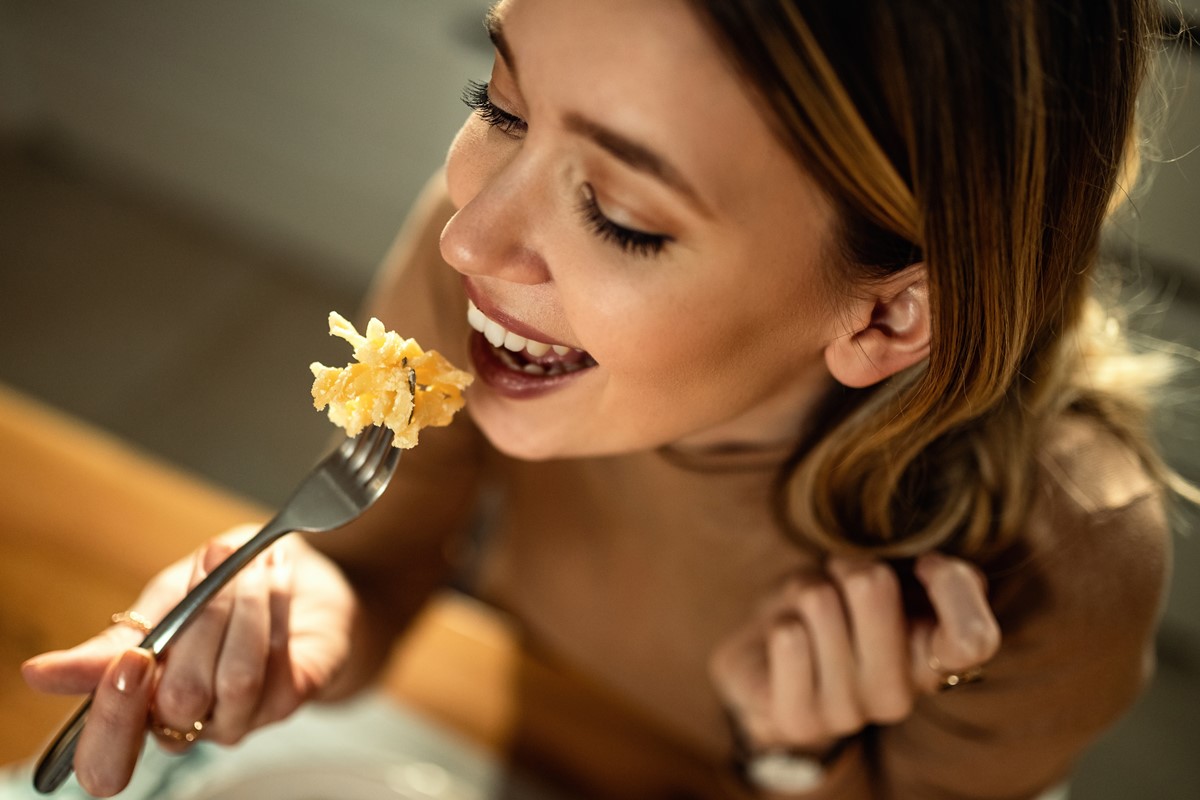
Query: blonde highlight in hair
x,y
836,134
990,142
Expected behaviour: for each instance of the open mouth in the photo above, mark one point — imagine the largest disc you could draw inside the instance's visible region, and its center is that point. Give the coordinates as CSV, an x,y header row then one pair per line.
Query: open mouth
x,y
531,358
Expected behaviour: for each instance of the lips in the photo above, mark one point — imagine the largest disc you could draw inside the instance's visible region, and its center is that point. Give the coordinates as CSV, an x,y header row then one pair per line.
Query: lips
x,y
520,366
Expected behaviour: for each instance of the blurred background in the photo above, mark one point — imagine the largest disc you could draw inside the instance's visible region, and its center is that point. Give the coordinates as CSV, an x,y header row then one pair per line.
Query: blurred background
x,y
187,189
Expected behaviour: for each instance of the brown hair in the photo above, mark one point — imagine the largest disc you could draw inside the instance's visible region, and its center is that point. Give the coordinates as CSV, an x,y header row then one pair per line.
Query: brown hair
x,y
986,140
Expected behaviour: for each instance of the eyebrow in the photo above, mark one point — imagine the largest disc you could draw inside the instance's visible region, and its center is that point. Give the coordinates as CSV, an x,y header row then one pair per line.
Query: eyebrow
x,y
495,32
637,156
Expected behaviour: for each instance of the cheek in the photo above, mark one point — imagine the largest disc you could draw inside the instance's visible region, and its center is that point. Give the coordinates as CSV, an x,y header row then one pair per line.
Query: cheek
x,y
762,337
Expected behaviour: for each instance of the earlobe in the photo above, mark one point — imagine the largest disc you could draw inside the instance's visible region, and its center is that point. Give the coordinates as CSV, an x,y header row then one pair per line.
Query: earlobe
x,y
888,332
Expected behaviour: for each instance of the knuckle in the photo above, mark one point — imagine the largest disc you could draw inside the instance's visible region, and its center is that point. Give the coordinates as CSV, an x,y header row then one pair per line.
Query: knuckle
x,y
870,580
796,729
183,697
788,636
792,590
843,720
819,598
238,685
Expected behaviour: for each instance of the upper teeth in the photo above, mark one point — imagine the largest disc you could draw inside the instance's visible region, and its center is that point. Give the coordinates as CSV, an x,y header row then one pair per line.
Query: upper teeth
x,y
499,336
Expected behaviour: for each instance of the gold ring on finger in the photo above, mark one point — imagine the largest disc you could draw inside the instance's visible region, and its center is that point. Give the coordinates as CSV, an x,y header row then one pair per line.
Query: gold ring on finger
x,y
134,620
174,735
950,680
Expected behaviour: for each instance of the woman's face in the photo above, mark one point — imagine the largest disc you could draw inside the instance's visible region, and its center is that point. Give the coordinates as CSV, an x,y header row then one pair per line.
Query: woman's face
x,y
620,196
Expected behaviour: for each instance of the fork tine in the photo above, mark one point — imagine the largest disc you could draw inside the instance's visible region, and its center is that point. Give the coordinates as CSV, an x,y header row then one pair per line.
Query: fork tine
x,y
346,448
377,456
363,443
377,480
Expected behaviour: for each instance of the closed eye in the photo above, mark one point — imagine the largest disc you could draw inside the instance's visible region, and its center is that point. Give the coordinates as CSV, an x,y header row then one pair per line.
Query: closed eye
x,y
639,243
475,95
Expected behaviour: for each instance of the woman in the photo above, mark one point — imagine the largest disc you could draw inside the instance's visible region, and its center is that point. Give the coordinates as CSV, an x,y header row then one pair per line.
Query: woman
x,y
793,392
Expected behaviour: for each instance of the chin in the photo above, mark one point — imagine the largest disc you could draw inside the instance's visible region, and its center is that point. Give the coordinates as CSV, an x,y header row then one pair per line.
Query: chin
x,y
516,440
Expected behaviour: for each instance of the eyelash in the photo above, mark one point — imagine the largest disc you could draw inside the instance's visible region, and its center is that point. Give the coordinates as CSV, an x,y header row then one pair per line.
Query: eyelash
x,y
475,95
638,243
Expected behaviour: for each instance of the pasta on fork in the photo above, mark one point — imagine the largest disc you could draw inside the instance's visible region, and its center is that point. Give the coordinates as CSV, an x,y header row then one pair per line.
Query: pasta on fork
x,y
394,384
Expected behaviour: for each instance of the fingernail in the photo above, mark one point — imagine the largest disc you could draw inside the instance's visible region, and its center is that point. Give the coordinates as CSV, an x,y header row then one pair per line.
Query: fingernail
x,y
131,670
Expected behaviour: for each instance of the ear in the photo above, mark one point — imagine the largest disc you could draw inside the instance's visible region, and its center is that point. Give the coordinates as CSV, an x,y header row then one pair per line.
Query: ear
x,y
886,330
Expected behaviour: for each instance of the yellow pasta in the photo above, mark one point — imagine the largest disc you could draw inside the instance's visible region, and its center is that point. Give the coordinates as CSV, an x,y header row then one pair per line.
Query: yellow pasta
x,y
395,384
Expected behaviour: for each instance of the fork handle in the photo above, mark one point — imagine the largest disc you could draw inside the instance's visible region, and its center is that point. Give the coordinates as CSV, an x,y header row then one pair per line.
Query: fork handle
x,y
58,761
201,595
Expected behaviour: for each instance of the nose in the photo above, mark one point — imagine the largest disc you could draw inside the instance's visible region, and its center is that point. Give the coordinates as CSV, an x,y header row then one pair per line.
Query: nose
x,y
489,235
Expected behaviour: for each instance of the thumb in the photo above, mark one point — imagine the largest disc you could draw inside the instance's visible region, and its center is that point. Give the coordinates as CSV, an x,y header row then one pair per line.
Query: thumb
x,y
964,634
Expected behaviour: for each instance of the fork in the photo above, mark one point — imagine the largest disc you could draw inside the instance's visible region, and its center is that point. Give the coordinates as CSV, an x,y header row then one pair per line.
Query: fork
x,y
339,488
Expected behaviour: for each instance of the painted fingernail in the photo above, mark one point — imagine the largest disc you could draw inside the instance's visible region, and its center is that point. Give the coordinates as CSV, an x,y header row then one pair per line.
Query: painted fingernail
x,y
131,670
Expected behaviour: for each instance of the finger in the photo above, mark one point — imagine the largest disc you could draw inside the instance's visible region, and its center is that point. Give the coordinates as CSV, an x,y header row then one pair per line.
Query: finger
x,y
966,633
112,738
820,606
242,663
872,596
792,677
309,643
738,669
280,695
79,669
185,687
927,672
